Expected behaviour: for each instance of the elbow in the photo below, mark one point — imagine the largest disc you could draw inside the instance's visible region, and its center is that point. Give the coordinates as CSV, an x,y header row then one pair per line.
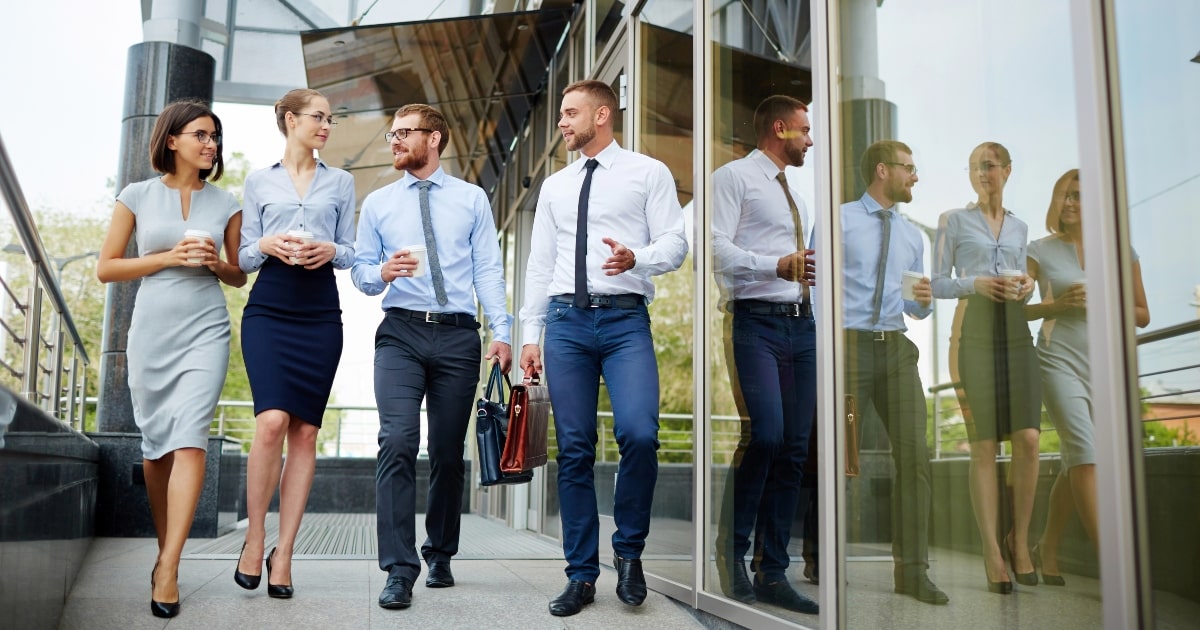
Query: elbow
x,y
1142,319
103,273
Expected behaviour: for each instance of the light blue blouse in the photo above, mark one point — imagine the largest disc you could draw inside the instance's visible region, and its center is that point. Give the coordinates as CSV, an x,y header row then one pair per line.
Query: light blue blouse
x,y
272,206
966,249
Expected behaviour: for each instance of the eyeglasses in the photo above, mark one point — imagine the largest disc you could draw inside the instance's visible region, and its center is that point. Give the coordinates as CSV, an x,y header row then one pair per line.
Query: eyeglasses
x,y
203,136
1071,196
321,118
402,133
984,167
911,168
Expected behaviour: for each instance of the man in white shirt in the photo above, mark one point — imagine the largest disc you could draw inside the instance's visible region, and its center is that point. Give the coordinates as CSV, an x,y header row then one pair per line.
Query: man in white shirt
x,y
589,296
764,269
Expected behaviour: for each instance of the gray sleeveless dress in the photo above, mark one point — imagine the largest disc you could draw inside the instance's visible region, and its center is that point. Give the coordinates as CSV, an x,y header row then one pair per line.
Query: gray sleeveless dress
x,y
178,349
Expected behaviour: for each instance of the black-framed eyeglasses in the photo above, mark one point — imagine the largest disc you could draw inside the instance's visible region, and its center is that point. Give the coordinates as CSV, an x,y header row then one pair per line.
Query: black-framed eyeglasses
x,y
203,136
911,168
403,132
320,118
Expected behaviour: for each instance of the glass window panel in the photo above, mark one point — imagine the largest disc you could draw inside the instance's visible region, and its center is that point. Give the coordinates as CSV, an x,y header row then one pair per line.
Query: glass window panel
x,y
608,18
249,49
1158,56
271,15
662,102
970,391
761,335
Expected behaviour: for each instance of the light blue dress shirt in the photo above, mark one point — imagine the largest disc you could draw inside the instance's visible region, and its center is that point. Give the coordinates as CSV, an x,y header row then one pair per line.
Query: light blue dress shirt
x,y
467,247
862,243
272,206
966,249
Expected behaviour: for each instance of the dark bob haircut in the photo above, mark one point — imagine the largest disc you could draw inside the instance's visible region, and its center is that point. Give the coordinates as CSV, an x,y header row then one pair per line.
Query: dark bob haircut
x,y
171,121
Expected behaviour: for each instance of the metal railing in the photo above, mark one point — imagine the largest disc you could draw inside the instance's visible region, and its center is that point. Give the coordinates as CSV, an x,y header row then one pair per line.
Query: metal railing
x,y
950,417
39,364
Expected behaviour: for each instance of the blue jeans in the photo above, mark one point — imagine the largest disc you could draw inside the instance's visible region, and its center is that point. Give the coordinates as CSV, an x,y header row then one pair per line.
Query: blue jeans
x,y
582,344
775,360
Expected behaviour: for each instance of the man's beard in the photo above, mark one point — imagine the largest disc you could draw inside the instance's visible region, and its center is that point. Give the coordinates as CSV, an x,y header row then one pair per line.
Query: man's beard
x,y
411,161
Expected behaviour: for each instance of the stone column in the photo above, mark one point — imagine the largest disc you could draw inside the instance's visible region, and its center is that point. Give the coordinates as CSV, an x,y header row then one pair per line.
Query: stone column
x,y
866,114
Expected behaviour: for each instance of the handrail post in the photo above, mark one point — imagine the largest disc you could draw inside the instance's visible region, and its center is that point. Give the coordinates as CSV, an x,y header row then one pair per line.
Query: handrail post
x,y
937,427
55,376
82,395
337,446
71,392
33,339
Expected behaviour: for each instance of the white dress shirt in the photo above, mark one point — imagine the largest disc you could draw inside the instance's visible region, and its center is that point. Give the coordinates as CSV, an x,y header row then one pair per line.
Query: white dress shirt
x,y
752,229
633,201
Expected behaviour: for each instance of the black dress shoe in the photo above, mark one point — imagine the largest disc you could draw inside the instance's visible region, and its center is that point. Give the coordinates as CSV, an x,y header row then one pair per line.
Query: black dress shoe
x,y
161,609
631,583
782,594
278,591
439,575
573,598
735,583
397,593
919,587
164,609
245,580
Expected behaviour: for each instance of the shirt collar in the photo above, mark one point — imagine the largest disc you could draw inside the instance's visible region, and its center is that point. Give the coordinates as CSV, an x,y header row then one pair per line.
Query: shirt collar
x,y
873,206
605,157
320,163
764,162
438,177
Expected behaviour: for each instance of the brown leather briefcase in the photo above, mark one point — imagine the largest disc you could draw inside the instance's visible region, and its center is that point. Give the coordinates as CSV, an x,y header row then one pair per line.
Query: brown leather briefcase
x,y
528,426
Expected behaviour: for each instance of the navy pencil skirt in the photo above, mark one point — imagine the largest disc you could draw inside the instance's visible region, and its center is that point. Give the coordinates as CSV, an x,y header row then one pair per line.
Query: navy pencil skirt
x,y
292,339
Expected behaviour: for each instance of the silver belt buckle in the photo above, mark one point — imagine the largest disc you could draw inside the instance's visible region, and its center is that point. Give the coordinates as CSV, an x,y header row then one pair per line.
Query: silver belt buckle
x,y
795,310
429,318
879,335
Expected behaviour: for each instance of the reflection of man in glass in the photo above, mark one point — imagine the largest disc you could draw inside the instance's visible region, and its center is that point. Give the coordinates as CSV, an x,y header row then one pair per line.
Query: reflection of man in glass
x,y
764,268
881,363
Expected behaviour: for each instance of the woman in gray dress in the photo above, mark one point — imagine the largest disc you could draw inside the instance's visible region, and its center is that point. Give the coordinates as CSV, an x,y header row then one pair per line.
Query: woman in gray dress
x,y
178,348
1055,262
980,259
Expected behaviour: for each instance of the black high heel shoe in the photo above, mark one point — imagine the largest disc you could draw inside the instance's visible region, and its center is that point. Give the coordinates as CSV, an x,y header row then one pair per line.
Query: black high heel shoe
x,y
1003,588
1035,554
165,610
278,591
1026,579
245,580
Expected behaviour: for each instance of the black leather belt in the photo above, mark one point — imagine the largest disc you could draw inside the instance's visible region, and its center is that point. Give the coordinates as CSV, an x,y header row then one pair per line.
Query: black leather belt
x,y
621,300
785,309
876,335
462,320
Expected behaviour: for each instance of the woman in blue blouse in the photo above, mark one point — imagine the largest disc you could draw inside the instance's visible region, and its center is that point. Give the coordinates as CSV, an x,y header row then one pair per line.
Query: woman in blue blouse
x,y
298,227
980,258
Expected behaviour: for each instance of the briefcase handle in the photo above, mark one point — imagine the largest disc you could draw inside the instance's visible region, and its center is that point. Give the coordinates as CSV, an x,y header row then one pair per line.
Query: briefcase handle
x,y
532,378
495,380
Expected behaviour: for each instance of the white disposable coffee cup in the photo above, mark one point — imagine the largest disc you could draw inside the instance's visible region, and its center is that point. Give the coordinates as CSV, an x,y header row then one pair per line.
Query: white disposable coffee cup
x,y
418,252
200,234
907,284
303,235
1013,277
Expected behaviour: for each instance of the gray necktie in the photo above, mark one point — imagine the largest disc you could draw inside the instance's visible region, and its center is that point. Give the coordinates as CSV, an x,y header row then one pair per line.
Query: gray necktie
x,y
435,269
886,243
782,179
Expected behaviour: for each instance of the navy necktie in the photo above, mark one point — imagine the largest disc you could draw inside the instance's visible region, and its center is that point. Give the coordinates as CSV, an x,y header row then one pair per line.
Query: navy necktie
x,y
581,290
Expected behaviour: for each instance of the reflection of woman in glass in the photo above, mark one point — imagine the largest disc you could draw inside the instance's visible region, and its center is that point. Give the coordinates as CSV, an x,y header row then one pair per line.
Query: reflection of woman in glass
x,y
983,246
299,227
1056,263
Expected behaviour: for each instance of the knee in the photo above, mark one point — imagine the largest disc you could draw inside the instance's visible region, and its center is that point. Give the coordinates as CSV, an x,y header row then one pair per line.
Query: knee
x,y
638,442
302,435
1026,443
271,427
983,452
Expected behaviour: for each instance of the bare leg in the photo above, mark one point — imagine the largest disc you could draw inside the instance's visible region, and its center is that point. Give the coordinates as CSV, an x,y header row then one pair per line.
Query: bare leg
x,y
158,475
1024,480
1056,521
293,495
985,503
262,477
1083,489
183,493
